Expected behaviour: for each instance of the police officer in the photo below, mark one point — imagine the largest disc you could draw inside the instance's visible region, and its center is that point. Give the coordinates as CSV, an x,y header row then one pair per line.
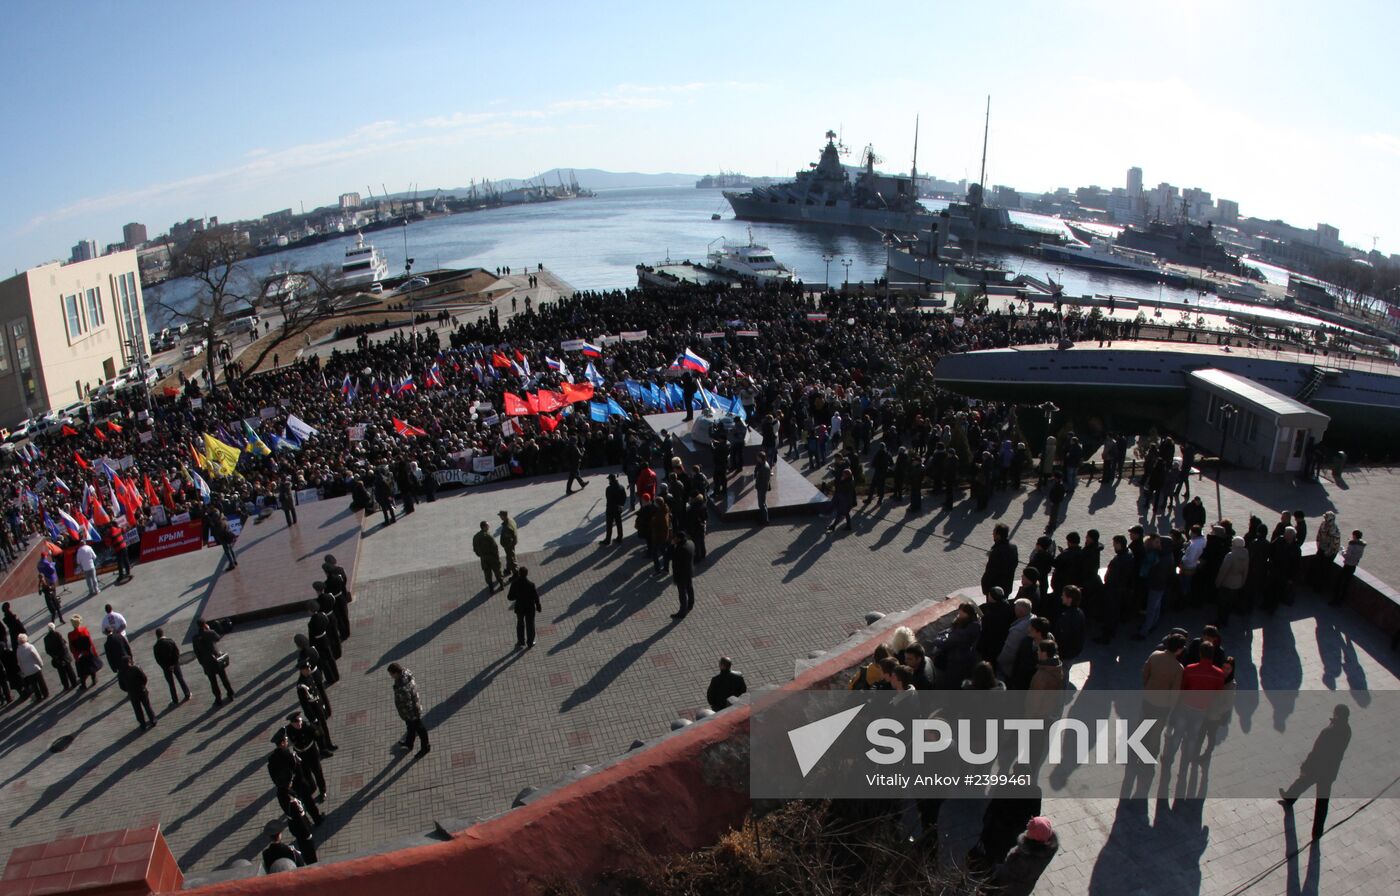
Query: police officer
x,y
311,658
289,777
305,741
314,706
338,587
300,827
318,630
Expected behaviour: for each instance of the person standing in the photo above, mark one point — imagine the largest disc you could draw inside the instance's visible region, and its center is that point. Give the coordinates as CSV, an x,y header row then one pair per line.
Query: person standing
x,y
683,574
48,586
337,585
14,626
289,777
696,521
318,631
85,657
726,684
1230,581
212,661
510,537
409,704
310,657
117,648
485,548
300,824
133,681
762,479
311,697
167,655
614,499
525,601
223,536
116,539
57,648
1351,558
1320,768
1284,557
113,622
31,670
287,501
86,560
278,852
1329,543
1002,561
1053,499
306,744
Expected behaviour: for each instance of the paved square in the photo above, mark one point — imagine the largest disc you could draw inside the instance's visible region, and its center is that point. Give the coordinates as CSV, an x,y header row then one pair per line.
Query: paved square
x,y
612,667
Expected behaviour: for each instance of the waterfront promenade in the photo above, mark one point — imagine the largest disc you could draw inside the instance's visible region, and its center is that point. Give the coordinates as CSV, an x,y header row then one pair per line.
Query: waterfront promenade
x,y
611,667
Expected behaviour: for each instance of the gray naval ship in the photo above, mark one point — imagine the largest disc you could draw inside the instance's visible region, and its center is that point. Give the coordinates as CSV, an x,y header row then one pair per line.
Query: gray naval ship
x,y
826,194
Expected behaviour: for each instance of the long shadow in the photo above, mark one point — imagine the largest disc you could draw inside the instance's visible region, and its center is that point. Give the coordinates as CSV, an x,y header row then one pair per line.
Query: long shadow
x,y
46,725
325,547
804,551
615,605
609,671
23,729
150,754
1280,668
57,789
337,818
447,707
428,633
1300,886
522,519
239,711
713,557
1125,853
1102,498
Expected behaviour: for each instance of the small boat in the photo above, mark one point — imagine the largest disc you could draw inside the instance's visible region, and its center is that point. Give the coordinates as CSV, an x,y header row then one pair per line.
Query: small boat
x,y
714,217
751,262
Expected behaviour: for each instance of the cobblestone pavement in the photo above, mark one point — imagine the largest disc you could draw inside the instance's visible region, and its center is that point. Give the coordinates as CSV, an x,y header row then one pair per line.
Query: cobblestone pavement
x,y
611,666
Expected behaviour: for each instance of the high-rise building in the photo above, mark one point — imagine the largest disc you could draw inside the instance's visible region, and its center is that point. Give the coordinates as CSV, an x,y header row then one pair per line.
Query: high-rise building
x,y
134,235
84,250
349,200
1134,182
1328,237
1227,211
67,328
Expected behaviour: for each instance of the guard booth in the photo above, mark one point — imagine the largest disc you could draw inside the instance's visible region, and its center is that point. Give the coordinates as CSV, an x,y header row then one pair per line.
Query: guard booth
x,y
1251,425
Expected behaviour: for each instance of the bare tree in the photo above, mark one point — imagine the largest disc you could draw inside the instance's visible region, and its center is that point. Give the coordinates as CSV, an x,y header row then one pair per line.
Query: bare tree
x,y
295,302
213,260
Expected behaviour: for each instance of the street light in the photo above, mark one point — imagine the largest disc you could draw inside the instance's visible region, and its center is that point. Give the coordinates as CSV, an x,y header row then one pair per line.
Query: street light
x,y
407,278
828,259
1227,414
846,263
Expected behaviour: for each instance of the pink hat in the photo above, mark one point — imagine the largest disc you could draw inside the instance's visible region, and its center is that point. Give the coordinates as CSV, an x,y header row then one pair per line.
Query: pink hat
x,y
1039,829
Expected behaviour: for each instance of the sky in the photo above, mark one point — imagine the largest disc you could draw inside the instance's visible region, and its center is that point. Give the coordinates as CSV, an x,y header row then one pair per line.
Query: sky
x,y
155,112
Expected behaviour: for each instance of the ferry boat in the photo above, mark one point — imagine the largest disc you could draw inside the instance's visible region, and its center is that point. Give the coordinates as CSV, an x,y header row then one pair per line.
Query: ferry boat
x,y
751,262
363,265
826,194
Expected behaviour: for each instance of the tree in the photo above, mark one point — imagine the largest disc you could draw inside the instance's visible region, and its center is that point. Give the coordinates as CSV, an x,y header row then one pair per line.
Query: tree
x,y
213,260
296,301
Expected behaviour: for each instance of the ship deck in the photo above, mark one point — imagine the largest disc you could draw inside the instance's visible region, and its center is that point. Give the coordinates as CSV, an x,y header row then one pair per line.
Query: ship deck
x,y
1333,360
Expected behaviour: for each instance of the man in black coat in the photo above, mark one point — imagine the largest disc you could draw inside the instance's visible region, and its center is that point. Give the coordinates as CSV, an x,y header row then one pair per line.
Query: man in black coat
x,y
167,654
310,657
289,777
724,685
1002,562
337,585
683,574
314,708
276,850
60,657
573,455
997,617
306,744
524,599
384,495
615,498
133,681
318,631
206,650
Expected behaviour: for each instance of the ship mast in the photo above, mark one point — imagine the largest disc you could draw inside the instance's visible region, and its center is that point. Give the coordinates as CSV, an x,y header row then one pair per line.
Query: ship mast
x,y
981,182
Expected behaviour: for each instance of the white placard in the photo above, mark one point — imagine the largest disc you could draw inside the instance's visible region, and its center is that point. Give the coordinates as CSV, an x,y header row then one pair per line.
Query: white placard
x,y
571,345
308,496
267,413
357,432
484,463
196,403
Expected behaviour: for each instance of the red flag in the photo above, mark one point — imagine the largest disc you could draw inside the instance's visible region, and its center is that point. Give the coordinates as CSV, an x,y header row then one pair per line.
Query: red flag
x,y
549,402
406,430
532,399
99,513
112,425
100,436
515,407
519,356
549,422
573,393
171,392
151,497
79,458
68,430
167,493
499,360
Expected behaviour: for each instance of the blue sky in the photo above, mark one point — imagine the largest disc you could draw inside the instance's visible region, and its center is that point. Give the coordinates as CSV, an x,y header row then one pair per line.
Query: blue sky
x,y
155,112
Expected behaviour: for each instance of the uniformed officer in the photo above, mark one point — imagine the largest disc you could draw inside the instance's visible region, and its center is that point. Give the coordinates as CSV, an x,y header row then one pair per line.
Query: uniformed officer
x,y
305,741
319,629
338,587
313,706
510,537
300,827
289,777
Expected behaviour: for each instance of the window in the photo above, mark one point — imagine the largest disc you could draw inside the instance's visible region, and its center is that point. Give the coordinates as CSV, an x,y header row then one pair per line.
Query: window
x,y
95,317
4,355
74,317
19,331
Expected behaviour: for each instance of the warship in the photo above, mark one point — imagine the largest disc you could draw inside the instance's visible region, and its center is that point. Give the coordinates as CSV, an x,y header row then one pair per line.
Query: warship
x,y
827,194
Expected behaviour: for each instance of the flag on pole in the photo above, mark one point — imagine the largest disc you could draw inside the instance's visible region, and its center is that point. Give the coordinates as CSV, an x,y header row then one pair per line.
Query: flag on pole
x,y
549,422
615,409
598,411
515,406
590,350
222,458
67,430
253,443
435,376
349,390
406,430
200,485
82,463
688,360
406,385
593,375
70,525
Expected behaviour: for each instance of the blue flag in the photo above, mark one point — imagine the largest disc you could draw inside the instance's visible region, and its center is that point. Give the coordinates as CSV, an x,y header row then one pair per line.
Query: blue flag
x,y
615,409
634,389
675,396
653,396
598,411
736,407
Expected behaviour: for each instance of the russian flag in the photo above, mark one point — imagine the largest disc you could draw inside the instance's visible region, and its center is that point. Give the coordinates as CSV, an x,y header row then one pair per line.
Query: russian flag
x,y
554,364
348,389
405,386
435,376
591,351
688,360
70,525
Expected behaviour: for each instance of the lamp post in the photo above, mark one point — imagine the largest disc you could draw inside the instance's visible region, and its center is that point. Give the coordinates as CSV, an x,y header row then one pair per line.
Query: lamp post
x,y
407,278
1227,414
846,263
826,278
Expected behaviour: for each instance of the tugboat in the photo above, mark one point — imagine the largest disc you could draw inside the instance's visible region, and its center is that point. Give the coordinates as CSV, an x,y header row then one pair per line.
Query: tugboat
x,y
826,194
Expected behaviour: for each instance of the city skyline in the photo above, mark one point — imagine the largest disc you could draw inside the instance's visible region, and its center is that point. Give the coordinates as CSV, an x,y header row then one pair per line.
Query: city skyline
x,y
1234,101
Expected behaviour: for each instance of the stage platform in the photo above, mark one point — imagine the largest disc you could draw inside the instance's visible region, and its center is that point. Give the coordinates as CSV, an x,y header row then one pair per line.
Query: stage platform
x,y
277,564
789,491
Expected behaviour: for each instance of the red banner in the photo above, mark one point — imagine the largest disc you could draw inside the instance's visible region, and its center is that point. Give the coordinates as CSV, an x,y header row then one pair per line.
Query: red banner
x,y
579,392
158,544
515,407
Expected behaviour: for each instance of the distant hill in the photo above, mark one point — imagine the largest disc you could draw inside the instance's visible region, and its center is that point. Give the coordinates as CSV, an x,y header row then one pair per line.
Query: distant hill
x,y
588,178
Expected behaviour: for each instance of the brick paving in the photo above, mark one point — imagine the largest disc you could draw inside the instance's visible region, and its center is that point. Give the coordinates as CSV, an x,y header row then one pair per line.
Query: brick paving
x,y
612,667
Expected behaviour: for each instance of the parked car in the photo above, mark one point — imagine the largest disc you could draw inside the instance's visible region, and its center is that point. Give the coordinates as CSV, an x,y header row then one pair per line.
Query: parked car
x,y
376,288
21,432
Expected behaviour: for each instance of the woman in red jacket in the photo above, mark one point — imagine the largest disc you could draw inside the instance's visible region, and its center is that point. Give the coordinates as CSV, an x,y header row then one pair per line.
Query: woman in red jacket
x,y
85,656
